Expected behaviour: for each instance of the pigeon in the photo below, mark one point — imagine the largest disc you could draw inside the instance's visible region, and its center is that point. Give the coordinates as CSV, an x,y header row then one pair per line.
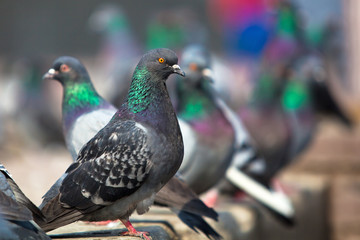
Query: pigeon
x,y
266,43
208,135
304,97
306,100
82,123
269,40
128,161
215,137
17,211
299,107
300,103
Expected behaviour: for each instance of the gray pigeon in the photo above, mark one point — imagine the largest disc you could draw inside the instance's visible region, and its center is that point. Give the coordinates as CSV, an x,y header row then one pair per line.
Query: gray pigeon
x,y
80,124
216,144
17,211
129,160
208,135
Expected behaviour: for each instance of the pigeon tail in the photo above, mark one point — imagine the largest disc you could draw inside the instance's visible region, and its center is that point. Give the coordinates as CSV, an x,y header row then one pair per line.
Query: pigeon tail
x,y
195,222
184,199
57,216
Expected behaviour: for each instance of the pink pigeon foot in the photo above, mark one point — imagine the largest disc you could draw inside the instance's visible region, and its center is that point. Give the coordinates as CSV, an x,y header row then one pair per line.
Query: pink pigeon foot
x,y
132,231
211,197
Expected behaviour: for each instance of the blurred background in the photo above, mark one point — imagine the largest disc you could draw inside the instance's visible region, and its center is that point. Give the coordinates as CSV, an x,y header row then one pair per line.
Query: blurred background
x,y
261,49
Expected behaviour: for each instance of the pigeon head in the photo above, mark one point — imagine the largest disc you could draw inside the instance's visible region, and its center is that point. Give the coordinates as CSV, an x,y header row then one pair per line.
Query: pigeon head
x,y
79,95
148,81
159,63
67,69
196,63
196,97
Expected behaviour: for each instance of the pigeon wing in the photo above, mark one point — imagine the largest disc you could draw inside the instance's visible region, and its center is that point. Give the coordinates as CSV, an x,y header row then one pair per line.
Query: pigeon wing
x,y
112,165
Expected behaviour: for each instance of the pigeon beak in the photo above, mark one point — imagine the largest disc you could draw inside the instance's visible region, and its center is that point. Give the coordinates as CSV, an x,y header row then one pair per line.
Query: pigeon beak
x,y
208,74
50,74
176,68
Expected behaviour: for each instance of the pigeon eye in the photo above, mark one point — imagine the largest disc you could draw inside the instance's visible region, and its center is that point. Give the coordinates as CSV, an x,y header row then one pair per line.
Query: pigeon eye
x,y
64,68
193,67
161,60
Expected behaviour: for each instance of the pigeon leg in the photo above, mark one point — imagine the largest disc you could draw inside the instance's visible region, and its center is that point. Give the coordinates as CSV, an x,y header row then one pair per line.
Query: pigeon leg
x,y
132,231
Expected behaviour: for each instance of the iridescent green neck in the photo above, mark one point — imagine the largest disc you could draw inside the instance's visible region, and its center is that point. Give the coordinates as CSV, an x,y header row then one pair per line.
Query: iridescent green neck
x,y
296,96
194,103
139,96
79,95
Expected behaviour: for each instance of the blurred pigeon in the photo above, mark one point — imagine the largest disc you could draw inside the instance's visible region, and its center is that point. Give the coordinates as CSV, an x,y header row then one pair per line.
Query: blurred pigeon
x,y
82,123
266,42
298,106
128,161
306,99
302,98
264,39
274,43
208,135
118,52
215,137
17,211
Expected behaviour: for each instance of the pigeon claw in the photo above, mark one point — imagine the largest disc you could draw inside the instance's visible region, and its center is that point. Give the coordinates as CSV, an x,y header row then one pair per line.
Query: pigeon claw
x,y
132,231
142,235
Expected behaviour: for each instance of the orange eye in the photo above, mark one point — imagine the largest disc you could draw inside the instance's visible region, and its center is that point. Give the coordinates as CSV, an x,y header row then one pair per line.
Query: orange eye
x,y
193,66
161,60
64,68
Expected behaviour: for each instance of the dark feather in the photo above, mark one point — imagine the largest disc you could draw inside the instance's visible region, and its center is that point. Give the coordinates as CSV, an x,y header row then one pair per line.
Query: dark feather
x,y
176,194
105,170
10,209
52,192
15,230
17,211
20,197
112,165
23,200
196,222
57,215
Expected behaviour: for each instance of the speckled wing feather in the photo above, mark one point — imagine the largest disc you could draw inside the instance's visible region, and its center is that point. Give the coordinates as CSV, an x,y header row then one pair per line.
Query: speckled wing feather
x,y
112,165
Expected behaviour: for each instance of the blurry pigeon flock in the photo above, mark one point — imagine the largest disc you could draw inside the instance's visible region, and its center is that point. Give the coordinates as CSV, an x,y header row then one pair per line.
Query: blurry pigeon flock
x,y
172,122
